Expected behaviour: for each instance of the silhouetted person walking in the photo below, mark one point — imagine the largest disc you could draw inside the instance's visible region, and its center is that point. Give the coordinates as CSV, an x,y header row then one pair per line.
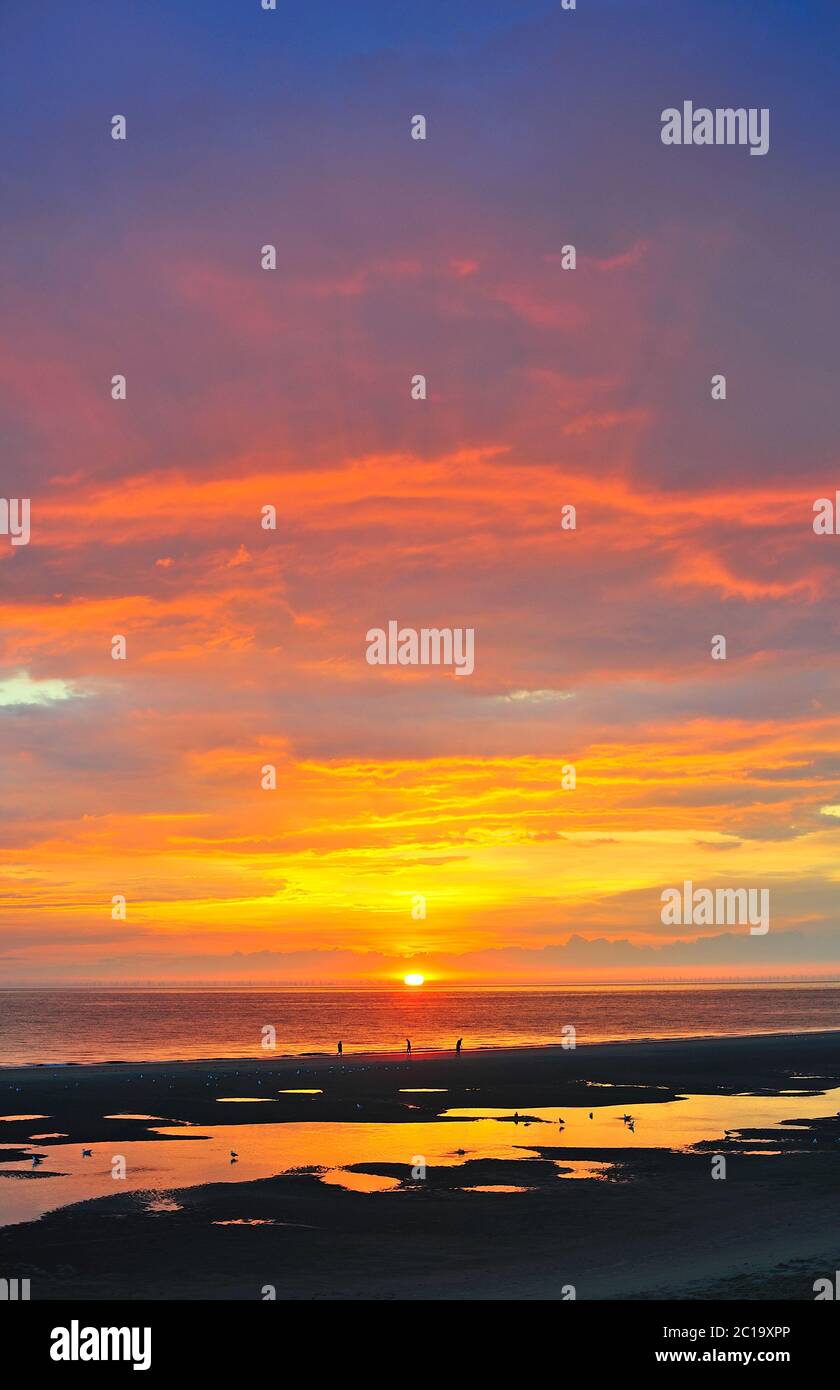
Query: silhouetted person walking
x,y
408,1046
458,1046
341,1049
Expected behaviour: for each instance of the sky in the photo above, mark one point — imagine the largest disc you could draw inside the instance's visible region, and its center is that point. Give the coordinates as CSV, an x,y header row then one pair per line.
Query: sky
x,y
290,388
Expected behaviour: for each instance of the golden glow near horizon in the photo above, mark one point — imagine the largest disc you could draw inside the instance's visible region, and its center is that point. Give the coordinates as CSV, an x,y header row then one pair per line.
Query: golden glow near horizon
x,y
414,979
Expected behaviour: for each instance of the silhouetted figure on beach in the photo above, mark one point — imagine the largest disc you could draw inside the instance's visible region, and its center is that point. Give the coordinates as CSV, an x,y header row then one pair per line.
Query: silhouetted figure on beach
x,y
516,1117
341,1049
458,1047
408,1046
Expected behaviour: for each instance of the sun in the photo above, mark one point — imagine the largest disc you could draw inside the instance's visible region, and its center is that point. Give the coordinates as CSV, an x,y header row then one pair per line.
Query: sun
x,y
414,980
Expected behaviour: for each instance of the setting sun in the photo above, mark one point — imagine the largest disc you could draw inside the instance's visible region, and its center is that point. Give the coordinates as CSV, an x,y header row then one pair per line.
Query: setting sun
x,y
413,980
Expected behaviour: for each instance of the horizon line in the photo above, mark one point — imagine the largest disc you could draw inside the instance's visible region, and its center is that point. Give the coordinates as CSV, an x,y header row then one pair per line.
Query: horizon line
x,y
428,985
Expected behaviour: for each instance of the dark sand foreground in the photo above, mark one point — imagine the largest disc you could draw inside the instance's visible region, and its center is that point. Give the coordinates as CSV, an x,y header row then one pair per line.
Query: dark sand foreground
x,y
659,1227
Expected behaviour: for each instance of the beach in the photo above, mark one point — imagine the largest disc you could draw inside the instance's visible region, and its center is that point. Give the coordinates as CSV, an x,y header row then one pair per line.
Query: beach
x,y
574,1202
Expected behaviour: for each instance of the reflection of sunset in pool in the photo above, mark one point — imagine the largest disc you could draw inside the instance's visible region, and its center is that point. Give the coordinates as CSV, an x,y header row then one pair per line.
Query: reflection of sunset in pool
x,y
360,1182
495,1187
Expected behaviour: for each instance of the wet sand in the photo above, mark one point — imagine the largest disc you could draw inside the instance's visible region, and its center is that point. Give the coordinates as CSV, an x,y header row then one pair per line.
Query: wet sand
x,y
657,1225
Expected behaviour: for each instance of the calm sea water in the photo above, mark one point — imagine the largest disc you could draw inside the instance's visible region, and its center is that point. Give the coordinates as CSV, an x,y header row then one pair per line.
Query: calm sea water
x,y
161,1025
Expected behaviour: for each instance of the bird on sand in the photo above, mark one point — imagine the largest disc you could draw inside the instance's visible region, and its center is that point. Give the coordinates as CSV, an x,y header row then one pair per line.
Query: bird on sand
x,y
87,1153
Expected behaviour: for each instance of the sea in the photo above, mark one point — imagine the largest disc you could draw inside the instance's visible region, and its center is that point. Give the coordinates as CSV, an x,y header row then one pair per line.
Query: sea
x,y
97,1025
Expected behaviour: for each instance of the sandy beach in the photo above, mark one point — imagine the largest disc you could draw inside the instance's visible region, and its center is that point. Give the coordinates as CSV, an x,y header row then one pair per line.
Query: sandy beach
x,y
650,1222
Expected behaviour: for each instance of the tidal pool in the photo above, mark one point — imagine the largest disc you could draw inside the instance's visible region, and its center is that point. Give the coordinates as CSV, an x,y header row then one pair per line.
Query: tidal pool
x,y
202,1153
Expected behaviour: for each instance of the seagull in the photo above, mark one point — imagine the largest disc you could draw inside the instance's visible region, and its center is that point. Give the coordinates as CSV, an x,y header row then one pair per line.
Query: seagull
x,y
87,1153
627,1118
233,1155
